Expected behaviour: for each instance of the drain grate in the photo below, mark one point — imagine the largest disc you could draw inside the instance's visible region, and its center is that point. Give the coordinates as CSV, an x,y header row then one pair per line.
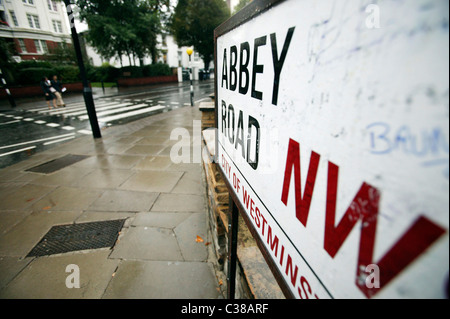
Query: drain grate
x,y
57,164
74,237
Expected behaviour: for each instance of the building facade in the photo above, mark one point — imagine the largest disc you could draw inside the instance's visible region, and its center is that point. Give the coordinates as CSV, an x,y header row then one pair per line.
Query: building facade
x,y
35,27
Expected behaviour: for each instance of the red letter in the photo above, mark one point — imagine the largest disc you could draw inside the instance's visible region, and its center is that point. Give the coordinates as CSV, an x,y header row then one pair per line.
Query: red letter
x,y
364,207
293,160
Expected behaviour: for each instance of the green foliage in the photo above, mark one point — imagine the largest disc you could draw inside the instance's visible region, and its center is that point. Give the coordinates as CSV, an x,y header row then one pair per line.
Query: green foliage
x,y
118,27
105,73
193,23
31,72
33,76
241,4
156,69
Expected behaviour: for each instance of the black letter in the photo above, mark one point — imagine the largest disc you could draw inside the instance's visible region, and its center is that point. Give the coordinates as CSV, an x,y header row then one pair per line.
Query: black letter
x,y
257,68
278,63
233,72
231,134
224,117
240,133
253,122
224,69
244,68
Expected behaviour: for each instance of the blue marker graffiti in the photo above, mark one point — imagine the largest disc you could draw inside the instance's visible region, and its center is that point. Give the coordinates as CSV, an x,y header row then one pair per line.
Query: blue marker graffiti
x,y
430,144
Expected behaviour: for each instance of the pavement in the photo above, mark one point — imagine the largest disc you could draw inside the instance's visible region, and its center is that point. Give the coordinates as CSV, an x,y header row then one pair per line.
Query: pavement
x,y
162,250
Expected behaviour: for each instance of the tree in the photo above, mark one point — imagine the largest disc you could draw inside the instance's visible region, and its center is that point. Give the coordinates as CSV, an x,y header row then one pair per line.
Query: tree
x,y
241,4
193,23
118,27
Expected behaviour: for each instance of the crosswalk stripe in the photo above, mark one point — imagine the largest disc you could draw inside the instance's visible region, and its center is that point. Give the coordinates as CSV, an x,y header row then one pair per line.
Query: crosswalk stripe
x,y
129,114
66,109
85,117
110,107
60,140
53,125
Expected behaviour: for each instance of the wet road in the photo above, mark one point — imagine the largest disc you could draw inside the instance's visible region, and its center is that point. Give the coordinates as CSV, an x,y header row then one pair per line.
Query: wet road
x,y
32,127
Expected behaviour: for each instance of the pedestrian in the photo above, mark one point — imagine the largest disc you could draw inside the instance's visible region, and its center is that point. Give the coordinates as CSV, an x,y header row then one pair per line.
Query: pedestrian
x,y
56,84
46,86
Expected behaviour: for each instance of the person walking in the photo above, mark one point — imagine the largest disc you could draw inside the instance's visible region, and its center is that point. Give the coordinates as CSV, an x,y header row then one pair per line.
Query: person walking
x,y
56,84
46,86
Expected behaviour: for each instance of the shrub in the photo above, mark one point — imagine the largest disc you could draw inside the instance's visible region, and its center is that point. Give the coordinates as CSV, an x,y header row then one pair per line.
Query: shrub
x,y
67,74
32,76
157,69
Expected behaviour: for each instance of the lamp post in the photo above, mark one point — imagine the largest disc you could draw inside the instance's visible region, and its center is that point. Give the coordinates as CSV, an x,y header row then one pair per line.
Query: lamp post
x,y
87,91
189,51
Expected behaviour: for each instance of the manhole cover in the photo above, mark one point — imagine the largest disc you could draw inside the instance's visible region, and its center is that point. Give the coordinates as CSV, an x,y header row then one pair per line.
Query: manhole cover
x,y
74,237
57,164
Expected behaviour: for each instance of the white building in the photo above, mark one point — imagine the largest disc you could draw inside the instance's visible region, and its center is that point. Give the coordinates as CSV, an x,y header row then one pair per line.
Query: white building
x,y
170,54
34,26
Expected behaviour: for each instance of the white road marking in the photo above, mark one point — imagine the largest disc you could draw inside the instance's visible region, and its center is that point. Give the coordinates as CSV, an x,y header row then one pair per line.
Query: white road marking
x,y
18,151
129,114
85,117
61,140
37,141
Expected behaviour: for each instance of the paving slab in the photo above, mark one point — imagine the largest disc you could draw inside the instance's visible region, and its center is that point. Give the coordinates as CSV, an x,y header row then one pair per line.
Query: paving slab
x,y
160,219
21,238
10,267
45,277
179,203
152,181
190,183
163,280
147,243
23,197
125,201
154,163
67,199
104,178
187,233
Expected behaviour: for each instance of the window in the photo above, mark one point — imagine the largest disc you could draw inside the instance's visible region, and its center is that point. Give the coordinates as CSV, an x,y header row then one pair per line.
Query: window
x,y
52,5
57,26
14,18
41,46
33,21
28,2
22,45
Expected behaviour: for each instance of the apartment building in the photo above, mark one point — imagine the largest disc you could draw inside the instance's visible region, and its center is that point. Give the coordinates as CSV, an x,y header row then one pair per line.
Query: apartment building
x,y
34,26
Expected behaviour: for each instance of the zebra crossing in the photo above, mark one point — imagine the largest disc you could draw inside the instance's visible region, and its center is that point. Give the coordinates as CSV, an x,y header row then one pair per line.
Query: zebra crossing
x,y
68,122
108,110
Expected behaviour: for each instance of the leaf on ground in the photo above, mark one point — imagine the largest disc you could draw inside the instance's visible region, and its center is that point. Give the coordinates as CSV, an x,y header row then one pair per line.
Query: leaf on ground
x,y
46,207
199,239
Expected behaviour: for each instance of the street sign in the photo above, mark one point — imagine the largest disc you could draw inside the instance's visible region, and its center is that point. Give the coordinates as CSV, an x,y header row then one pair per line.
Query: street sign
x,y
333,137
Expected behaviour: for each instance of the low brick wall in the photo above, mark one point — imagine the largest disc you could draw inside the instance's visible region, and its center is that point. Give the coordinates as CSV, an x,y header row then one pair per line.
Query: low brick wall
x,y
127,82
35,90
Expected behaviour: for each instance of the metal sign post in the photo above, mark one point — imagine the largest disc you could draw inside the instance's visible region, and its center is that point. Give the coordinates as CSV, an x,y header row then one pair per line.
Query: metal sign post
x,y
189,51
87,91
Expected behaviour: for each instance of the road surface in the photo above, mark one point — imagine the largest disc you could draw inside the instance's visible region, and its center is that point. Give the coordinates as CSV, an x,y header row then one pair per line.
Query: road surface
x,y
32,128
